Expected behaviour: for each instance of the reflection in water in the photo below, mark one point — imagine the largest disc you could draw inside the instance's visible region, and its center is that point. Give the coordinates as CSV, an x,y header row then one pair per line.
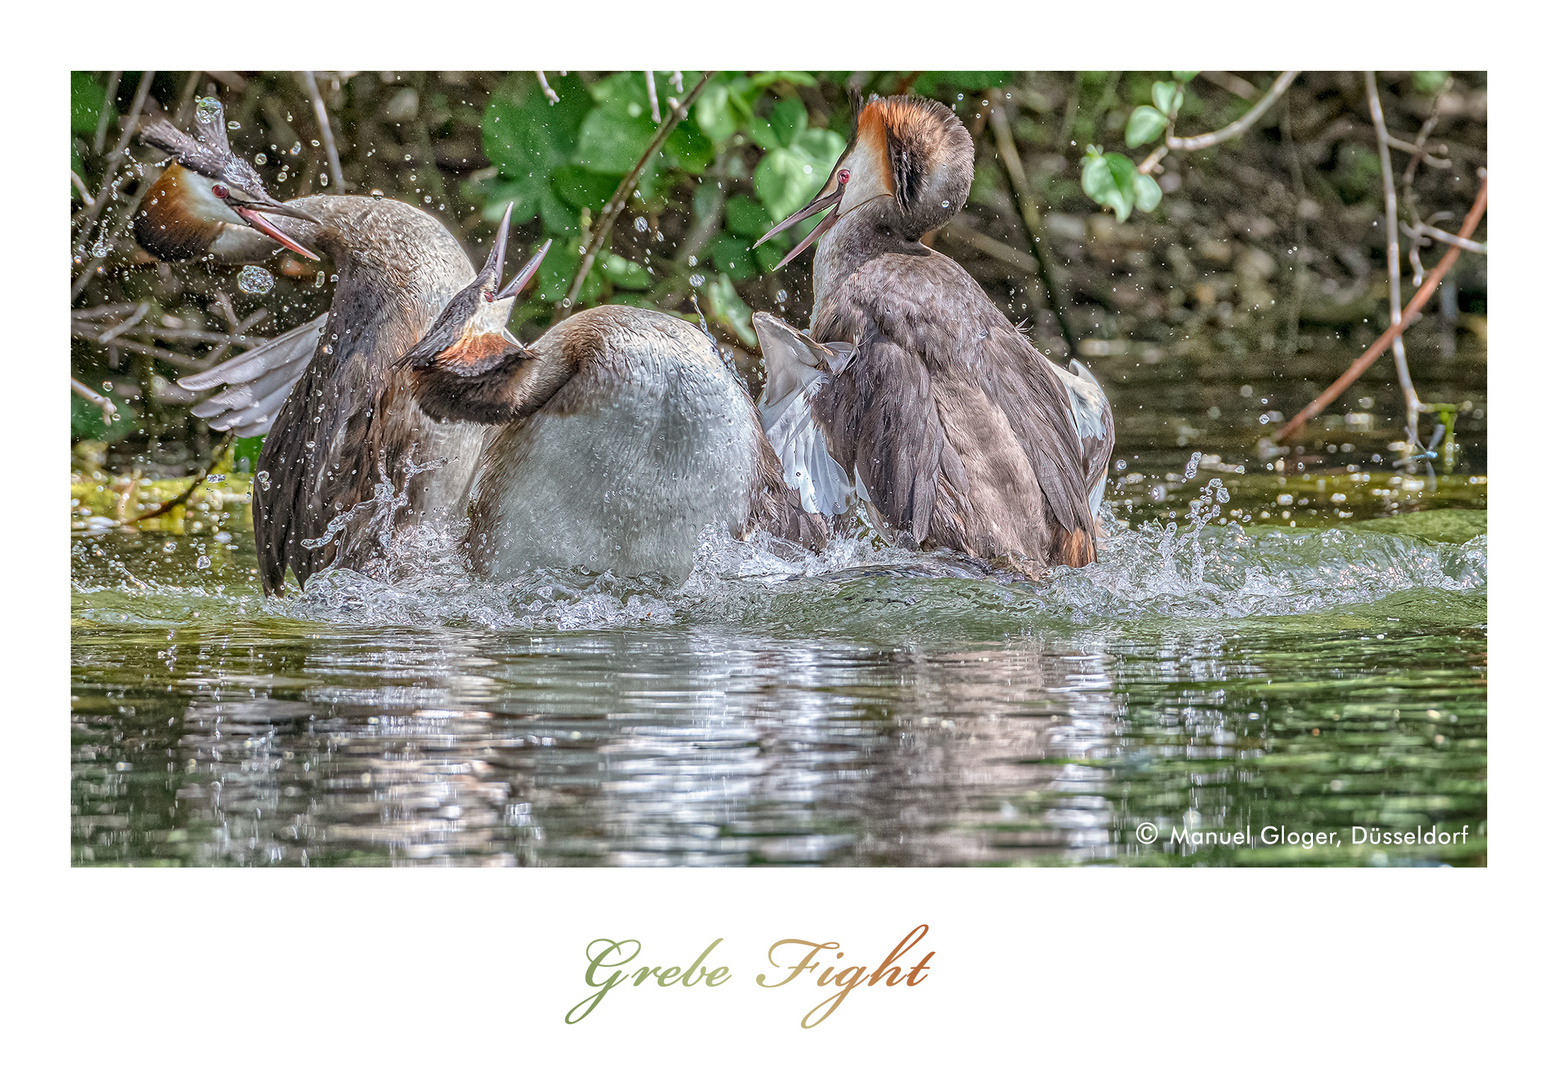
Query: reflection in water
x,y
783,708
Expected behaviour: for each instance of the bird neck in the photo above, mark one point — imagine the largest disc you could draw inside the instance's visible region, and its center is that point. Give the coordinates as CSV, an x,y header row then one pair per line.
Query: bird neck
x,y
870,230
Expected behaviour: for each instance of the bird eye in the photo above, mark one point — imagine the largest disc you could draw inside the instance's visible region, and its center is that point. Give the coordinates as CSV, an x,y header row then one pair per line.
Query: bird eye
x,y
486,294
843,176
219,190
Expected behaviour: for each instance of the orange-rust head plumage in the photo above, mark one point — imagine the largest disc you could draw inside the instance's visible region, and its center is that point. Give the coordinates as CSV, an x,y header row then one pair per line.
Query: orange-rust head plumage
x,y
922,153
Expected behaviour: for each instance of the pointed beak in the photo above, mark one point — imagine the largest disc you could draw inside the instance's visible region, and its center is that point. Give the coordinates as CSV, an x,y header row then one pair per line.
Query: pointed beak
x,y
256,219
829,201
522,278
494,264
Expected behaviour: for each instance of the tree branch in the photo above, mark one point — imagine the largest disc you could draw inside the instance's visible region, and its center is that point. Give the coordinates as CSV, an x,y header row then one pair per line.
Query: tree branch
x,y
1360,365
324,130
619,198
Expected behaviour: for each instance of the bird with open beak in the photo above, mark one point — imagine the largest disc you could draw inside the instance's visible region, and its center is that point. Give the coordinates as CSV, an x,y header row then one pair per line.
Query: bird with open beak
x,y
956,429
342,426
618,436
205,190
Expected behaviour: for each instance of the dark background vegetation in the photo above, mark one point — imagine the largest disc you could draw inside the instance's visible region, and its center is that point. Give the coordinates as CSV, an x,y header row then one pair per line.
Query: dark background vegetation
x,y
1263,261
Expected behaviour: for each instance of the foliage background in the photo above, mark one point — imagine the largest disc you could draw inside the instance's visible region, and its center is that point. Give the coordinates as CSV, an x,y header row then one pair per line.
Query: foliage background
x,y
1263,251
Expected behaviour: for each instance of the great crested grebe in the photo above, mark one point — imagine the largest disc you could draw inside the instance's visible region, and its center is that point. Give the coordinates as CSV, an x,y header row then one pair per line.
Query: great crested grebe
x,y
620,434
956,429
340,434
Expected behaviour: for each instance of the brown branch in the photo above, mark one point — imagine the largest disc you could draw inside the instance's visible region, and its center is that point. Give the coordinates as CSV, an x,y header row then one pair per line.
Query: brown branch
x,y
200,478
619,198
82,390
1028,213
1360,365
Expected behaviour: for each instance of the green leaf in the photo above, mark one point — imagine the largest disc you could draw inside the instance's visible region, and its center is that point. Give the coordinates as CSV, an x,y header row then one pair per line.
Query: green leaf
x,y
86,103
1429,82
727,308
1110,180
526,137
625,273
581,189
1184,76
246,452
1145,125
728,255
1167,97
86,420
932,81
1148,194
788,120
715,113
618,130
745,218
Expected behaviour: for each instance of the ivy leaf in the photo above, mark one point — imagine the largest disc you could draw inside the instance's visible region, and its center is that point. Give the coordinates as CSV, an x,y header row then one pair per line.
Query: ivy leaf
x,y
86,103
1110,180
1148,194
1145,125
787,120
582,189
729,256
745,218
1184,76
715,113
625,273
526,137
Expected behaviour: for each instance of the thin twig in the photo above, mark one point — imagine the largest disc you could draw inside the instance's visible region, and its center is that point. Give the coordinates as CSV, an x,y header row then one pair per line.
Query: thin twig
x,y
1424,229
1393,258
1360,365
89,214
324,130
654,97
551,95
1397,143
1232,131
104,116
200,478
114,331
81,186
82,390
619,198
1028,212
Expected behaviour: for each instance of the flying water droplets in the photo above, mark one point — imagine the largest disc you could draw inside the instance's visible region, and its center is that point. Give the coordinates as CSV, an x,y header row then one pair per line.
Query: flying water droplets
x,y
203,563
1192,465
256,280
207,109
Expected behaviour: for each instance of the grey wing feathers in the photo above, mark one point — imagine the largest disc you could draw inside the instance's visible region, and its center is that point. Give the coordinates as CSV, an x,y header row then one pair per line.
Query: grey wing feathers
x,y
798,369
257,382
1094,422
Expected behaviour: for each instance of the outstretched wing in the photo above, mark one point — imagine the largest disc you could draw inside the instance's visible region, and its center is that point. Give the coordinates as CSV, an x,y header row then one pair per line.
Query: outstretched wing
x,y
798,369
257,382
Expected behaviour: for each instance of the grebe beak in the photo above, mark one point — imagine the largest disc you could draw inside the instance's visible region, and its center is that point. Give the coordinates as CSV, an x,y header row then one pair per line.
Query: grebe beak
x,y
527,272
493,268
828,200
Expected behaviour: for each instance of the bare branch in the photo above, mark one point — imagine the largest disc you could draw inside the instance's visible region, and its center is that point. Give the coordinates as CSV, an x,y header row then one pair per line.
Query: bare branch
x,y
1232,131
619,198
654,97
82,390
324,130
108,108
551,95
1393,257
1372,353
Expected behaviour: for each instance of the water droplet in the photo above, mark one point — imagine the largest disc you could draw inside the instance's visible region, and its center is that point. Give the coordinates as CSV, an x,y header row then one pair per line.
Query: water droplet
x,y
945,203
203,562
376,193
782,295
319,279
641,224
1193,465
256,280
313,142
233,125
207,109
108,384
696,280
100,249
328,350
297,148
260,159
263,479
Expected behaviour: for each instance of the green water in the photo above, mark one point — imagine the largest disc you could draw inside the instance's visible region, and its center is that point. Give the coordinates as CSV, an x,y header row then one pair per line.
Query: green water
x,y
872,707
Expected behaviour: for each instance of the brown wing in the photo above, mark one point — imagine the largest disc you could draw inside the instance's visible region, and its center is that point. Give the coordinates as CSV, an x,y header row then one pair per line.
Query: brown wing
x,y
958,429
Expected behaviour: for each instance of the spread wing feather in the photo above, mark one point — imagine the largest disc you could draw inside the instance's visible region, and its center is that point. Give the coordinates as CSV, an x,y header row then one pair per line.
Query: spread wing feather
x,y
263,375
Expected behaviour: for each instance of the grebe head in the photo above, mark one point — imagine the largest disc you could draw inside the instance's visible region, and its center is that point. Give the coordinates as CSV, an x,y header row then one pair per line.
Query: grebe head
x,y
909,165
475,321
205,187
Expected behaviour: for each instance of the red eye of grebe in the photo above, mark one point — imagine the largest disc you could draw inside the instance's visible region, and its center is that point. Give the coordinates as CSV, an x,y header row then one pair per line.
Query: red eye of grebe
x,y
843,176
219,190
